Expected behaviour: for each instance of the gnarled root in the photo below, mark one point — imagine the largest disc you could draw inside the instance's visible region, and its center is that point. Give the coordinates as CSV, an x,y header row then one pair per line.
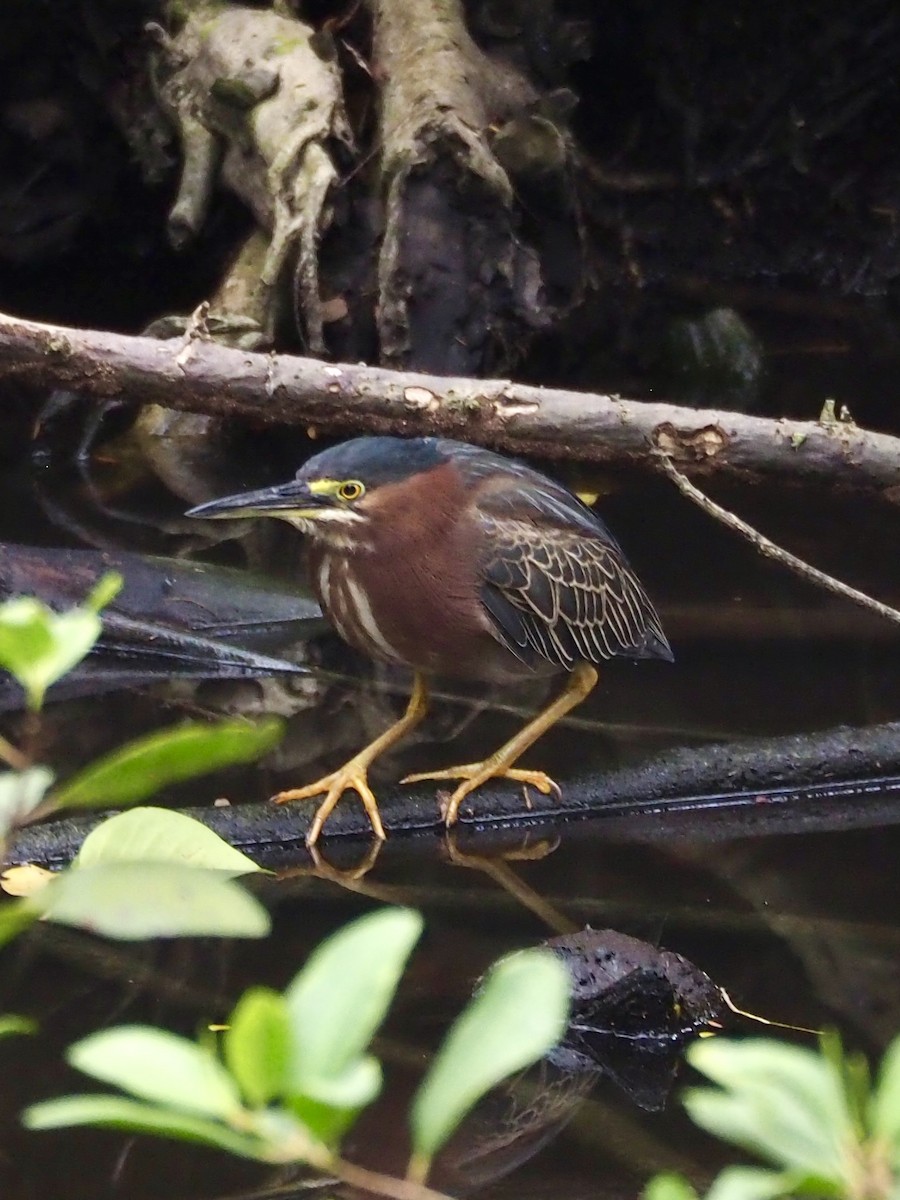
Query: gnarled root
x,y
258,104
458,287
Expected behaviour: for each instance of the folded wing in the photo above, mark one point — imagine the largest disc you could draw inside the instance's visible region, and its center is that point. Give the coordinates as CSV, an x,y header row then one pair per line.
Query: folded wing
x,y
563,594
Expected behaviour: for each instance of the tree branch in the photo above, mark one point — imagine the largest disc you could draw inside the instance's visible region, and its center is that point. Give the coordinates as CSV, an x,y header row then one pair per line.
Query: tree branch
x,y
772,550
205,377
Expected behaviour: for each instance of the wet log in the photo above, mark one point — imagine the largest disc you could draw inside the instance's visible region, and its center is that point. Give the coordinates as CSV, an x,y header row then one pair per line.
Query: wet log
x,y
838,779
198,375
172,619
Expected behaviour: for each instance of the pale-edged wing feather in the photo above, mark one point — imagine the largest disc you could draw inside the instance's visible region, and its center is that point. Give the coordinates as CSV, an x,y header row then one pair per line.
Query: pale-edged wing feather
x,y
558,594
556,585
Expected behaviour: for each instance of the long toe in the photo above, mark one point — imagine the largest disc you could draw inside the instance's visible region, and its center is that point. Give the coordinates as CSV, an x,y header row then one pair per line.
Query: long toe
x,y
320,787
476,774
473,775
468,771
350,777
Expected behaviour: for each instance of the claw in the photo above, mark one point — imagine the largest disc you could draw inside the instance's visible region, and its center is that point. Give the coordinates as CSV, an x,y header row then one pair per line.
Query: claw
x,y
351,776
354,774
473,775
499,765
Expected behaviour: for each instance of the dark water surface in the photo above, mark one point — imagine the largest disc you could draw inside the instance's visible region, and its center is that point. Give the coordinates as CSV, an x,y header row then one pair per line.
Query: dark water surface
x,y
802,928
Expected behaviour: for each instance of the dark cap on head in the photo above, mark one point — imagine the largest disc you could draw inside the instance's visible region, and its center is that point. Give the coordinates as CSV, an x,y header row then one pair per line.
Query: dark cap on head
x,y
376,460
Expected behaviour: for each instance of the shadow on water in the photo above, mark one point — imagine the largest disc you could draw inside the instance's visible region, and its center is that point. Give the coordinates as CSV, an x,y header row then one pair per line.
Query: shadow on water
x,y
802,927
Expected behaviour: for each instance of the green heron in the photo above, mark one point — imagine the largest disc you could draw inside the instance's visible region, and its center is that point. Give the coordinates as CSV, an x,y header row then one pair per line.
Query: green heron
x,y
455,561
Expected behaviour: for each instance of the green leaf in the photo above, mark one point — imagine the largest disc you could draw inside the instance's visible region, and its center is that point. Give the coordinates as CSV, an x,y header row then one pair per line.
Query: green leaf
x,y
668,1186
20,794
771,1125
518,1016
161,835
118,1112
38,646
340,998
854,1077
104,591
155,1065
11,1024
15,916
327,1122
885,1109
140,768
257,1045
785,1103
756,1183
354,1087
133,901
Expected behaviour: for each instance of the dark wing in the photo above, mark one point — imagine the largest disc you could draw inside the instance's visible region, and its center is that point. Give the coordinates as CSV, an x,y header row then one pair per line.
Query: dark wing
x,y
555,583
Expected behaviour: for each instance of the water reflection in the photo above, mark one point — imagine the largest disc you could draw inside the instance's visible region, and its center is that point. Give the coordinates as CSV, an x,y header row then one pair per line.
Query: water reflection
x,y
781,922
798,925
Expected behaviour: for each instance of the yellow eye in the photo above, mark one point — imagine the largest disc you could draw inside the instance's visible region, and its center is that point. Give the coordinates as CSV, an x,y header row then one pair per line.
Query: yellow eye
x,y
350,490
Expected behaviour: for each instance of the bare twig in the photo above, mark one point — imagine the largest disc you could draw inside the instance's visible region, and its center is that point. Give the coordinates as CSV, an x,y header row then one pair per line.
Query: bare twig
x,y
545,422
773,551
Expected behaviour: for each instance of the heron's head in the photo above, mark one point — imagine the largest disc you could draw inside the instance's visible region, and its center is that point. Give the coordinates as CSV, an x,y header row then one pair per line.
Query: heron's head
x,y
339,492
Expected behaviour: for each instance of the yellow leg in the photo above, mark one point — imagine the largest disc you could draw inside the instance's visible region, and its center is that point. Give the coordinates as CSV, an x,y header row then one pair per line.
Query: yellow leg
x,y
354,774
499,765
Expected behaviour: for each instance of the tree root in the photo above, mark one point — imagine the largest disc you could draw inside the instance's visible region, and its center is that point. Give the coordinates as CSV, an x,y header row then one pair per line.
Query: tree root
x,y
254,91
458,288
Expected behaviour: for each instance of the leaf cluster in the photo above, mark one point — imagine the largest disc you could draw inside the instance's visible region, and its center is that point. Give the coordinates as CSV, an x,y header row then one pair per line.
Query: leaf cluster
x,y
149,874
817,1118
293,1069
38,646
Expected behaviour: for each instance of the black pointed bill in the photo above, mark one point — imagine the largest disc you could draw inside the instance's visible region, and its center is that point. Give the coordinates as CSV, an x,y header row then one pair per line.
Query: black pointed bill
x,y
292,499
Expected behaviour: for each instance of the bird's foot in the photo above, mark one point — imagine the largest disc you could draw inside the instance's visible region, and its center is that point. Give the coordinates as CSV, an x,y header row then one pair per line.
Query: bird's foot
x,y
351,776
473,775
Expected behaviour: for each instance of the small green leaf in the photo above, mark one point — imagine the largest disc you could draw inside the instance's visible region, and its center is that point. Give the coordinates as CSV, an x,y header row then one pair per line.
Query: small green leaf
x,y
20,794
518,1016
140,768
11,1024
104,591
668,1186
354,1087
118,1112
15,916
756,1183
161,835
785,1103
324,1121
851,1070
771,1125
38,645
158,1066
886,1102
133,901
341,996
257,1045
